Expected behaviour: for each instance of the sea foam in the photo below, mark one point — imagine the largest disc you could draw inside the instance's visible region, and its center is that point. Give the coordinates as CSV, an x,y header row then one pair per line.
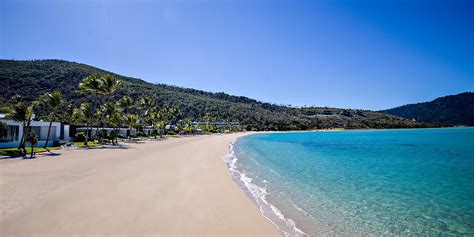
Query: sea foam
x,y
259,194
361,183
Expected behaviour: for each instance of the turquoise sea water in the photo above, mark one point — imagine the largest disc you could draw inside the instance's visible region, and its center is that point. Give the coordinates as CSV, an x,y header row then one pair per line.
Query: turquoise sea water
x,y
357,183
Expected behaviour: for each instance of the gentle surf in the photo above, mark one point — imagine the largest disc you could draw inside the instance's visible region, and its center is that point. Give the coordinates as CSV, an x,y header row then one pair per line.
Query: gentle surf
x,y
372,182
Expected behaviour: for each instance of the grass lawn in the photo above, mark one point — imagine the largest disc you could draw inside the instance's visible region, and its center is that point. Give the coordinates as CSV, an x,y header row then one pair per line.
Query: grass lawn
x,y
15,152
89,143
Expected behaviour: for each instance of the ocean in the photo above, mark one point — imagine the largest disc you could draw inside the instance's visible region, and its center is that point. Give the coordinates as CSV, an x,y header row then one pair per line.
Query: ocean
x,y
361,183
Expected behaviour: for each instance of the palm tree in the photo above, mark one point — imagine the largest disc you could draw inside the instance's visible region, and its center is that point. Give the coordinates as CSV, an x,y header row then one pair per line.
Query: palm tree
x,y
22,112
174,113
85,114
188,128
109,85
33,139
207,127
131,120
125,104
92,84
179,125
145,107
158,122
66,115
19,112
100,85
52,101
111,115
169,114
108,109
114,120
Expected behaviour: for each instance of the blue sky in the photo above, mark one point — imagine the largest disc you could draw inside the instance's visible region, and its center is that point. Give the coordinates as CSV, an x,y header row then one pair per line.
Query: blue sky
x,y
353,54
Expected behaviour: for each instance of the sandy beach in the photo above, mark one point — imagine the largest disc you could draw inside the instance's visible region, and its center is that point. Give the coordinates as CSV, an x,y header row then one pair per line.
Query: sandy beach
x,y
179,186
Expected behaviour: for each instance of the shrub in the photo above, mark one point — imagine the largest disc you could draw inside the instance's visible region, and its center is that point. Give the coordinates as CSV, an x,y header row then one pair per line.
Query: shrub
x,y
80,137
120,136
154,133
14,152
101,134
141,134
10,152
112,135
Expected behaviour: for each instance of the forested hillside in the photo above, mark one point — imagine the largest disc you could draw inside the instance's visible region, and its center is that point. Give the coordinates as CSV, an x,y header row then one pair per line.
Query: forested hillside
x,y
30,79
452,110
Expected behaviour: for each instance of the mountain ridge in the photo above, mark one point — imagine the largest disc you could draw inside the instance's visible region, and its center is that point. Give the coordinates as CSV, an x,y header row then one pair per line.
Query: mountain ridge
x,y
450,110
33,78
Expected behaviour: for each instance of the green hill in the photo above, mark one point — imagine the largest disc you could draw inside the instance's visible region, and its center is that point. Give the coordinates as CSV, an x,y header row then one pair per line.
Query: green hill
x,y
31,79
452,110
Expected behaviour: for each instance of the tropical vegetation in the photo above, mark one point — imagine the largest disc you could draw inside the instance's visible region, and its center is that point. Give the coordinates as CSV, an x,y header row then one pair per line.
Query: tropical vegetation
x,y
33,139
52,102
23,112
102,113
154,106
452,110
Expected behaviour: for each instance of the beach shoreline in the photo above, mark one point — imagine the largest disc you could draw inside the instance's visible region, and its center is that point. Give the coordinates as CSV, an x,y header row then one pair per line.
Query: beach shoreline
x,y
179,186
336,183
259,195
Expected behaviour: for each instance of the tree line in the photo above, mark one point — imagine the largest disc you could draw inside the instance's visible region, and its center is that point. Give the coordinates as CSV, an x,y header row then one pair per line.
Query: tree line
x,y
31,79
101,112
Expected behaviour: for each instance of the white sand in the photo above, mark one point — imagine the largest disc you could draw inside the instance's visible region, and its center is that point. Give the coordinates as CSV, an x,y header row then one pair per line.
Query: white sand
x,y
180,186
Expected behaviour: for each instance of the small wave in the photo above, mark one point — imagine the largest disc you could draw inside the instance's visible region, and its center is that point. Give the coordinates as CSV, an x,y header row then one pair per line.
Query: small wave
x,y
268,210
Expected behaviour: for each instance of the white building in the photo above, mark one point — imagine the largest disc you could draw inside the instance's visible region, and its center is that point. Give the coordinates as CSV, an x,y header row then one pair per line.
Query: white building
x,y
219,123
124,131
11,131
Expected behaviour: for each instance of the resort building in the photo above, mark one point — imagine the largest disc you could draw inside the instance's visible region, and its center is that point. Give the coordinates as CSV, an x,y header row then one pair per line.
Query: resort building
x,y
125,132
11,132
219,123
